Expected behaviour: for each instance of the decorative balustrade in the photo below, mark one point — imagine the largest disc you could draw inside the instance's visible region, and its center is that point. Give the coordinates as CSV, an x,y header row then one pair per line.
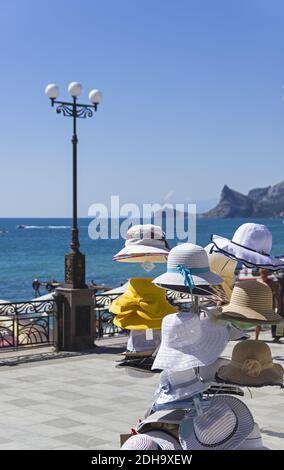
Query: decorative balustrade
x,y
27,324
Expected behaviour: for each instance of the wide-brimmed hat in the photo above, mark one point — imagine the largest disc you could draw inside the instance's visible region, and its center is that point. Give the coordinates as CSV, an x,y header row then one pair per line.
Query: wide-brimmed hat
x,y
168,417
152,440
188,341
252,302
179,385
223,426
251,365
144,243
253,441
251,244
187,266
142,306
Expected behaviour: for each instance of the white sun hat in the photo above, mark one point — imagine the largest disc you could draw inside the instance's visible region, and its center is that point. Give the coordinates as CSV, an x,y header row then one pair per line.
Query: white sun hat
x,y
188,341
140,442
251,245
144,243
152,440
223,426
253,441
187,265
179,385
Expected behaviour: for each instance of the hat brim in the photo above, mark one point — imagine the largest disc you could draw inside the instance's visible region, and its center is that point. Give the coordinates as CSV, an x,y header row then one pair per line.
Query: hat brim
x,y
182,393
242,313
203,289
248,257
245,424
176,279
246,322
163,416
231,374
141,254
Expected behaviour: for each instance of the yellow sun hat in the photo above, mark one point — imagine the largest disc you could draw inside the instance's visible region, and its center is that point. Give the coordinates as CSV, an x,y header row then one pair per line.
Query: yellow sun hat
x,y
224,267
143,306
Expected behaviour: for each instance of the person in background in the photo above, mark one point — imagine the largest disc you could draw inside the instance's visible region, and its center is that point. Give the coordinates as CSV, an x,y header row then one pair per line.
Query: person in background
x,y
268,278
277,331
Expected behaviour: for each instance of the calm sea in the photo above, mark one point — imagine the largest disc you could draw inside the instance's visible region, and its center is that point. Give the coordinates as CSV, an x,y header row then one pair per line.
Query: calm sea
x,y
38,252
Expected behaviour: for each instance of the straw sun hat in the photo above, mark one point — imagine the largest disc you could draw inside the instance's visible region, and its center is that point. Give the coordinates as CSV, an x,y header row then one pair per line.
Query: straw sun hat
x,y
223,426
142,306
251,244
187,266
251,365
251,301
144,243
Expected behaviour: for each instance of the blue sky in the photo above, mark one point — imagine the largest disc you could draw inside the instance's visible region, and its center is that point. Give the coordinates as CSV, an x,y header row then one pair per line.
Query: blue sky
x,y
193,99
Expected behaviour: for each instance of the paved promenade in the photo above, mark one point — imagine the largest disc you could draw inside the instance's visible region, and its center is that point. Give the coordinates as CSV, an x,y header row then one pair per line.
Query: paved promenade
x,y
84,402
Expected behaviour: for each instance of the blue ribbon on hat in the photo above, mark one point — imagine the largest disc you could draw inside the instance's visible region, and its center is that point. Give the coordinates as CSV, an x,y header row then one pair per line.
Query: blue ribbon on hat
x,y
187,274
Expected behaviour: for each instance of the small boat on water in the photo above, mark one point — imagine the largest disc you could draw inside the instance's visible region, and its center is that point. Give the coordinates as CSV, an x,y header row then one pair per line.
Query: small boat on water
x,y
20,226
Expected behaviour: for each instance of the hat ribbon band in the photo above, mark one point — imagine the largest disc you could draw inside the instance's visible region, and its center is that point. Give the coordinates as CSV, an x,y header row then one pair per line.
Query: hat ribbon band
x,y
239,365
187,274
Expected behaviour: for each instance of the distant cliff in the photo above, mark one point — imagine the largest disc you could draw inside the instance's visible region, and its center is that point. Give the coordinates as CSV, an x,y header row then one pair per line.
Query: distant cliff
x,y
260,202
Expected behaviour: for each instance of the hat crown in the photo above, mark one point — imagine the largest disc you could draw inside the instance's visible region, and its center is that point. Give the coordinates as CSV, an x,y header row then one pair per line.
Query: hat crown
x,y
176,379
143,288
252,294
188,255
175,328
145,231
146,235
256,237
252,349
215,426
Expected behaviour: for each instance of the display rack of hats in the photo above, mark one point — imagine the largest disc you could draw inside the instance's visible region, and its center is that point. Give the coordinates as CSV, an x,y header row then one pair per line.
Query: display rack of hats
x,y
191,345
143,306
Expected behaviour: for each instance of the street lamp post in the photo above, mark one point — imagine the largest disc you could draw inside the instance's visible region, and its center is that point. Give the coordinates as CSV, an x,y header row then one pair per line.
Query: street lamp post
x,y
75,271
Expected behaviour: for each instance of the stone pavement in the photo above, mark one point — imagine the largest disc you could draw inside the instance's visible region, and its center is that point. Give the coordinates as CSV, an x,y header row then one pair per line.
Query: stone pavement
x,y
84,402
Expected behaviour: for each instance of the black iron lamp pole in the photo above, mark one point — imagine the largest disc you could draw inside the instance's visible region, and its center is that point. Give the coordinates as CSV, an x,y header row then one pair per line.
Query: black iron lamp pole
x,y
75,269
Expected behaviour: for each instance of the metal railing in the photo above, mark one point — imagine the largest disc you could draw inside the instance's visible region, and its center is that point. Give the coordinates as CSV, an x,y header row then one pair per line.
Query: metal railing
x,y
104,318
27,324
